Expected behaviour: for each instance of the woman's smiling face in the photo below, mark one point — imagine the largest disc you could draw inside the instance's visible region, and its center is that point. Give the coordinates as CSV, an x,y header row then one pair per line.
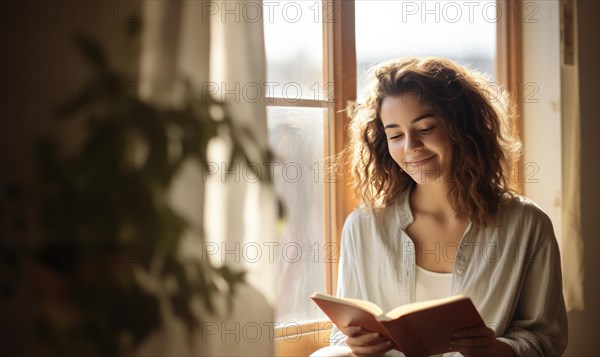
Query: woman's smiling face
x,y
418,140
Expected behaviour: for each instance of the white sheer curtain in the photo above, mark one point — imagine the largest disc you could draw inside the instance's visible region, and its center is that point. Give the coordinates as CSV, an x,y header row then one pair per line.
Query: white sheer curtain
x,y
208,43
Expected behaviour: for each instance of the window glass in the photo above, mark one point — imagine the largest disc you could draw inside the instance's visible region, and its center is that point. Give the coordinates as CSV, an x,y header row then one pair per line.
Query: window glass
x,y
463,31
297,137
294,48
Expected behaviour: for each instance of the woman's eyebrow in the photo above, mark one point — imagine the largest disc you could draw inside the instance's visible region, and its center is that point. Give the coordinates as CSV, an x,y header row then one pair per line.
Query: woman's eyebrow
x,y
420,117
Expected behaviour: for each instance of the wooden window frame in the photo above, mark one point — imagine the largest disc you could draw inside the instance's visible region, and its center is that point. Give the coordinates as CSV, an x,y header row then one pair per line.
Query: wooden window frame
x,y
340,42
339,63
509,72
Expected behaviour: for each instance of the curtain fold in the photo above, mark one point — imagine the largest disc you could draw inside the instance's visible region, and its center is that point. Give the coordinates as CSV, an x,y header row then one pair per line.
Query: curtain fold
x,y
571,242
237,77
221,55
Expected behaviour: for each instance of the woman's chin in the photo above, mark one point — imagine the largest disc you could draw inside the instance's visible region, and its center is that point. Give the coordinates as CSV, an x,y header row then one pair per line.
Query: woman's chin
x,y
426,177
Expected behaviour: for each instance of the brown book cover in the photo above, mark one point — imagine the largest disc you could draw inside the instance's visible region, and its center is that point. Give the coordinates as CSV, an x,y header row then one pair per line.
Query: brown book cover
x,y
418,329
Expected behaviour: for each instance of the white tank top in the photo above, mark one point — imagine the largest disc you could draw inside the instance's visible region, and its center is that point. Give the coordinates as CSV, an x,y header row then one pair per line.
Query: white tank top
x,y
431,285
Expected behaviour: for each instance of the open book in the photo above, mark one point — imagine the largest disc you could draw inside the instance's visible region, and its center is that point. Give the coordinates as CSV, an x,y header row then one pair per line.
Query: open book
x,y
418,329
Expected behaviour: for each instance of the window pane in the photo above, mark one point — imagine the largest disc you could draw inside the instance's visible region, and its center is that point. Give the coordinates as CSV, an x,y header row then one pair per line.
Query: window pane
x,y
297,137
463,31
294,47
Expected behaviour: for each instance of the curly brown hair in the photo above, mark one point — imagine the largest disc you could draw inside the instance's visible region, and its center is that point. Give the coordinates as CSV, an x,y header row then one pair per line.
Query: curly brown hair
x,y
478,116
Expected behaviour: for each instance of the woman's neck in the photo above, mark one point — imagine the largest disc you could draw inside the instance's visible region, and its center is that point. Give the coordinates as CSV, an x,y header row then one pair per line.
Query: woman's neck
x,y
432,199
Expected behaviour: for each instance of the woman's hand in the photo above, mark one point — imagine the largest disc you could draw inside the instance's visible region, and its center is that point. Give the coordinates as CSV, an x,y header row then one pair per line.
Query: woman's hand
x,y
366,343
479,342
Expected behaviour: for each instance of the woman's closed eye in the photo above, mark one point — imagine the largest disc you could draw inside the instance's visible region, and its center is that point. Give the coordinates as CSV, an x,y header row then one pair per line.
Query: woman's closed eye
x,y
401,135
426,130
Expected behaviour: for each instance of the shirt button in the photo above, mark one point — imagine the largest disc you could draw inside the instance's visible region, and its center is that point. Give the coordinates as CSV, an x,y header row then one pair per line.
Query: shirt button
x,y
460,270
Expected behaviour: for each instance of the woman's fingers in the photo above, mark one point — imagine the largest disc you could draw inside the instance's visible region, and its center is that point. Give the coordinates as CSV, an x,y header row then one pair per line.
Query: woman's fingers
x,y
378,349
351,331
364,343
366,339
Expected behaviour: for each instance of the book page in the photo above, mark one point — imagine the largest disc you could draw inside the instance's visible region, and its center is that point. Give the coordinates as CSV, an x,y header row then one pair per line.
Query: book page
x,y
417,306
361,304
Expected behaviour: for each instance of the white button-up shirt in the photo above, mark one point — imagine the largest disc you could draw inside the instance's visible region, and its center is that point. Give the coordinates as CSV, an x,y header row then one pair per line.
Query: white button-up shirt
x,y
510,270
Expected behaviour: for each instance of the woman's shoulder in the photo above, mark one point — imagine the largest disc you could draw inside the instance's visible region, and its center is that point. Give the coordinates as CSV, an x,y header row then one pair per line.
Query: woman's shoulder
x,y
397,212
359,218
523,206
372,230
368,215
367,220
522,211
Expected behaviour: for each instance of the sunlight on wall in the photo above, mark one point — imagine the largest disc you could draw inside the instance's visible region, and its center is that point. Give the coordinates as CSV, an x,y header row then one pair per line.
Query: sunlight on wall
x,y
541,111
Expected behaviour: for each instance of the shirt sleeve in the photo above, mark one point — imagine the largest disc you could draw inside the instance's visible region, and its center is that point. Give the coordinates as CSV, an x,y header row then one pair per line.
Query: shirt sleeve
x,y
539,326
348,276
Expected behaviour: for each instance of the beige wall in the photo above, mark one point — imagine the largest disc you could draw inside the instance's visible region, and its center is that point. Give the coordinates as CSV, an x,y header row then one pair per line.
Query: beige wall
x,y
541,66
541,86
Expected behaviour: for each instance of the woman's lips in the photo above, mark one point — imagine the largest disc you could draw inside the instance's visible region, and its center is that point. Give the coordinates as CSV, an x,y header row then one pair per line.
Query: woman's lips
x,y
419,163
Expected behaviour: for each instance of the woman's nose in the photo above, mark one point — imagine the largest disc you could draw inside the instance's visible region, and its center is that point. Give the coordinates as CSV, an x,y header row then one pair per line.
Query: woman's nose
x,y
412,143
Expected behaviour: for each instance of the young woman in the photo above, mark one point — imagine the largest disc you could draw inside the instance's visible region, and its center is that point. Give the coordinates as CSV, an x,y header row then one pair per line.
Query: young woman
x,y
431,151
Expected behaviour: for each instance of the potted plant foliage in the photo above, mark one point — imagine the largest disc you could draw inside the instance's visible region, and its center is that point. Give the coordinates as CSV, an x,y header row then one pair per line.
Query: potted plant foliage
x,y
103,221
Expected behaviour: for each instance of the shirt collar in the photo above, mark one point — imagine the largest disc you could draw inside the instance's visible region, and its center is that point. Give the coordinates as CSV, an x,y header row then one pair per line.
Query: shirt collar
x,y
404,213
